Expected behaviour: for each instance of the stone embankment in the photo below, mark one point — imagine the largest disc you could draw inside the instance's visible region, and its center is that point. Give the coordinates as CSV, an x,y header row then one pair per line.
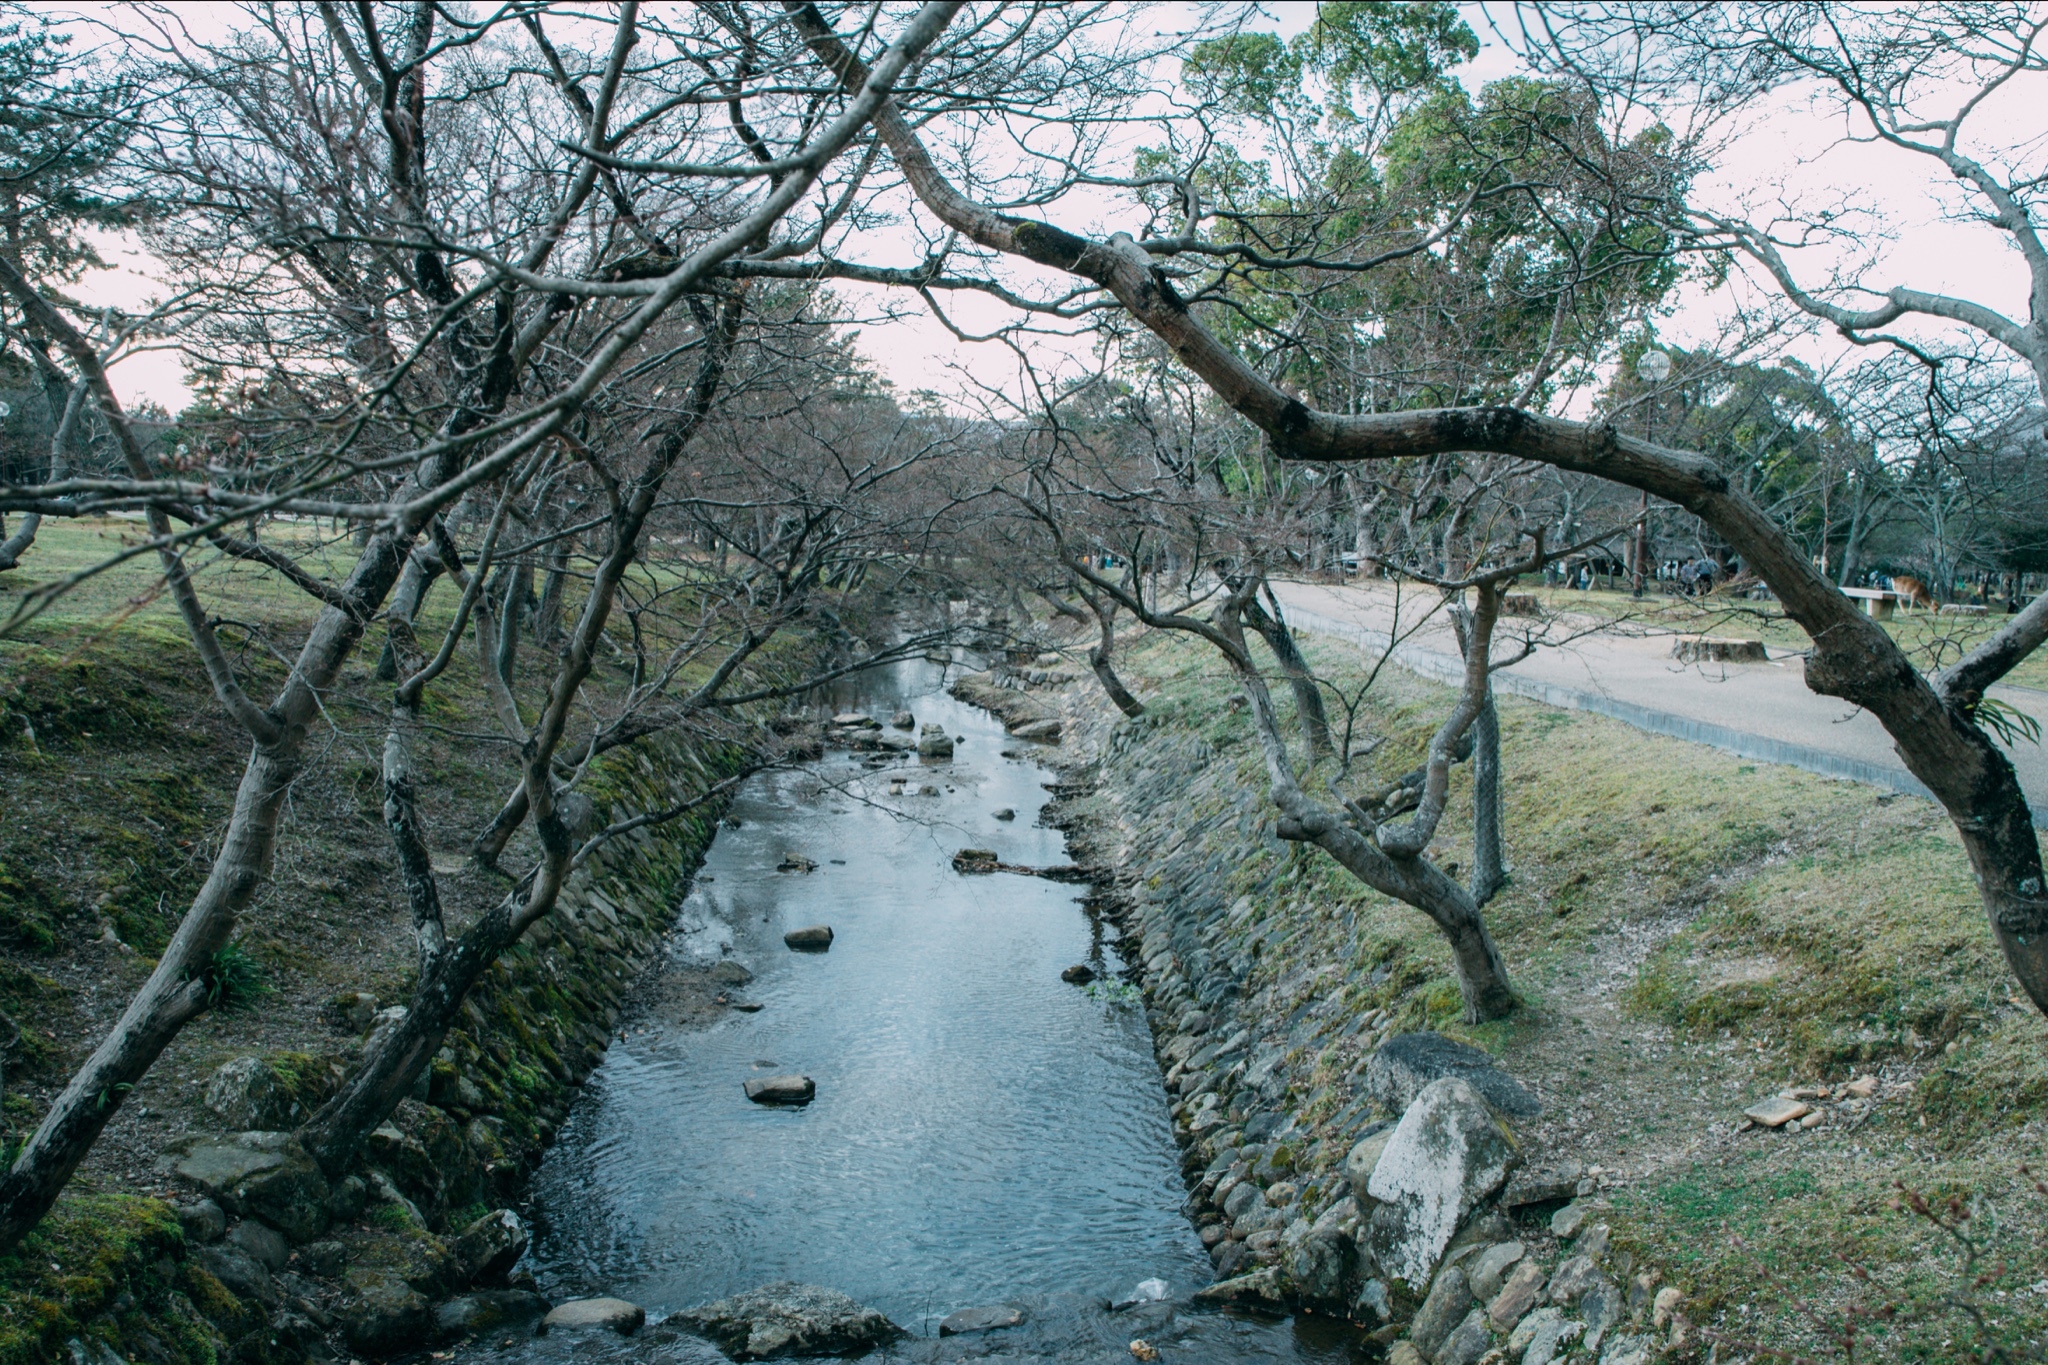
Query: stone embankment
x,y
1340,1160
417,1248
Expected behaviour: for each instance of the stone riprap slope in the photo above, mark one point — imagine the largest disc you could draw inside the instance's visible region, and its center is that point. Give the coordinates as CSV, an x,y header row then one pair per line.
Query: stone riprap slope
x,y
240,1250
1339,1160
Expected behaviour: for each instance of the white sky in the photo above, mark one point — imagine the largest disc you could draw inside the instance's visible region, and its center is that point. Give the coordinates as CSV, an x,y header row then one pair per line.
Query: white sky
x,y
1794,151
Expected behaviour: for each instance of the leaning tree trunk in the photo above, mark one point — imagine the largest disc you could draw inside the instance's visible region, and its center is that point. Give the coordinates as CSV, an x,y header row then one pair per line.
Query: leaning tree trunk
x,y
1105,673
1931,721
1308,697
1100,657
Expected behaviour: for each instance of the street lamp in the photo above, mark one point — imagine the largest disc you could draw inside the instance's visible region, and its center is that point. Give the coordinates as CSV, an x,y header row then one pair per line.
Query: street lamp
x,y
1652,367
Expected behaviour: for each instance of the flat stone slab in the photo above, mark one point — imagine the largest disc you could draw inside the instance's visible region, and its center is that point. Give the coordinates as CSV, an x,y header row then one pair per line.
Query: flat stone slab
x,y
815,939
1776,1112
989,1319
789,1319
1408,1062
615,1315
781,1090
218,1168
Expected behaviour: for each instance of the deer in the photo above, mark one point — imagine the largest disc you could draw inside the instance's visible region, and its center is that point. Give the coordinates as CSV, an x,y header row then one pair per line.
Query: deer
x,y
1912,592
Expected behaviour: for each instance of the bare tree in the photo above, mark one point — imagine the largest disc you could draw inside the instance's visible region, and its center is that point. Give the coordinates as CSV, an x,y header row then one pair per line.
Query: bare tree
x,y
448,319
1931,719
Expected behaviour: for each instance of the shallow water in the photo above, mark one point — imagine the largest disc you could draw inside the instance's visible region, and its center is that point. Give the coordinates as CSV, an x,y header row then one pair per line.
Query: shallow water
x,y
982,1132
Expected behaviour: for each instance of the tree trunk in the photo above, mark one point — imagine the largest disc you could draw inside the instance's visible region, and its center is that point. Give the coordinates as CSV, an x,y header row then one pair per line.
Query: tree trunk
x,y
182,986
65,405
1101,655
1482,976
406,600
1489,871
518,590
547,617
1412,879
391,1070
1308,697
1852,546
1113,685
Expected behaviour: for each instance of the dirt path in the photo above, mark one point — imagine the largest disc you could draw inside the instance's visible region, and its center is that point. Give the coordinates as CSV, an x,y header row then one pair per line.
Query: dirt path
x,y
1759,710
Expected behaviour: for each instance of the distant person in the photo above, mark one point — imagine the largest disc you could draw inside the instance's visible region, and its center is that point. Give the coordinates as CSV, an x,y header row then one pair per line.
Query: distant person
x,y
1703,575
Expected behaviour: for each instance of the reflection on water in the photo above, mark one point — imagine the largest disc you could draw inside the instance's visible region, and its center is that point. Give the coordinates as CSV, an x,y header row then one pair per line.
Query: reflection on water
x,y
982,1132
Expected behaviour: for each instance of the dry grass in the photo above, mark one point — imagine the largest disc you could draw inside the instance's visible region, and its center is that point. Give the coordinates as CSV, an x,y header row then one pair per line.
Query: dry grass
x,y
1689,933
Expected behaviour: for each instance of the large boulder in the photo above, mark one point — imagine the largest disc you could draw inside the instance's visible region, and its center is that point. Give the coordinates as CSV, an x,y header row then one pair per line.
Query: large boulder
x,y
934,742
989,1319
1448,1152
246,1093
1262,1289
235,1268
1316,1259
260,1243
488,1310
383,1315
1408,1062
789,1319
262,1175
423,1152
489,1248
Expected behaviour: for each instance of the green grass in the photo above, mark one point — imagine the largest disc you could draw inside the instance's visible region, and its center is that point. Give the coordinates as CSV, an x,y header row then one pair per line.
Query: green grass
x,y
121,770
1799,930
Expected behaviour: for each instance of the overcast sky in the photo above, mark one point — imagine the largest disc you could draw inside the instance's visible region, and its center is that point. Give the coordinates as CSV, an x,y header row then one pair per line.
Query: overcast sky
x,y
1797,151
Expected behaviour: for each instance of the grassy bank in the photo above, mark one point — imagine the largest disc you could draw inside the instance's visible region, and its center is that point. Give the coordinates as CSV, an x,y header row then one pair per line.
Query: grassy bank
x,y
121,772
1689,933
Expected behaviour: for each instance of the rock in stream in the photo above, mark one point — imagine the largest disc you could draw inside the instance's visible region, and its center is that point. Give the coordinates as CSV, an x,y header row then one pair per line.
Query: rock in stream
x,y
789,1319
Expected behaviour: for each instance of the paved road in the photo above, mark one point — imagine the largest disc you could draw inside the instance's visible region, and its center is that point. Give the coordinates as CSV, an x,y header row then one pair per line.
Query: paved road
x,y
1761,711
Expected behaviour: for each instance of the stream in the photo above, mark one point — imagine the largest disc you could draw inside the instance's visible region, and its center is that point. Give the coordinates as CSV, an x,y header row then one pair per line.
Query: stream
x,y
982,1133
